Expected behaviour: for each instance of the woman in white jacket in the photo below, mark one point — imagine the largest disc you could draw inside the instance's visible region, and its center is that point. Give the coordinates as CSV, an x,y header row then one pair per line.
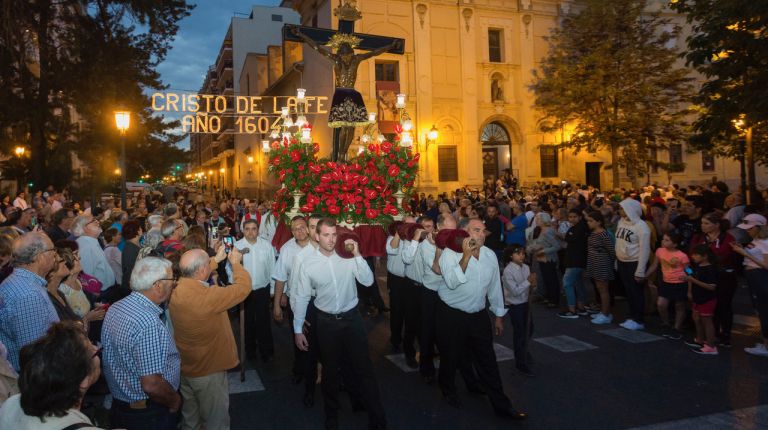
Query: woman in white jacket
x,y
633,248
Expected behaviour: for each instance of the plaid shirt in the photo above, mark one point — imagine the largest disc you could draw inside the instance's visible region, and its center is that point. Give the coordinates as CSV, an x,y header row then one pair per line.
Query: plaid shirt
x,y
26,312
136,343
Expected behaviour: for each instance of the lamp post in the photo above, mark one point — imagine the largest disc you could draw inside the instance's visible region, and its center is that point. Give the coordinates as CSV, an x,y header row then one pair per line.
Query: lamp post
x,y
123,121
431,138
749,155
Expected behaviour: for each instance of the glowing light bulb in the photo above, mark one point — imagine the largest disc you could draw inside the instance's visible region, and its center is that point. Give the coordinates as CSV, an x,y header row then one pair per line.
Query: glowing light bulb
x,y
400,104
288,122
275,134
381,138
306,135
407,125
301,121
406,139
284,111
265,145
372,117
300,92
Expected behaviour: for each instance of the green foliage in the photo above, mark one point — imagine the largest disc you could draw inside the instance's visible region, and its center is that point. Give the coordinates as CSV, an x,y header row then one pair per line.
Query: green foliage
x,y
729,47
67,66
610,71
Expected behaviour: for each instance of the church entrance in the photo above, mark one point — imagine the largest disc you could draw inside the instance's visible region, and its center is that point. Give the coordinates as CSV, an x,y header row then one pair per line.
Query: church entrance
x,y
497,150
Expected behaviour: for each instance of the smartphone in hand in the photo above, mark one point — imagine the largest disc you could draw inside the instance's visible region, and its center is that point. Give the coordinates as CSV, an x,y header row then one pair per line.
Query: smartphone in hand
x,y
228,242
689,271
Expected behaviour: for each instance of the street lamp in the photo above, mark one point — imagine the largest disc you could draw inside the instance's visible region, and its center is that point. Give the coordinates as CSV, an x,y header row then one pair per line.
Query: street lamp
x,y
123,121
749,156
19,151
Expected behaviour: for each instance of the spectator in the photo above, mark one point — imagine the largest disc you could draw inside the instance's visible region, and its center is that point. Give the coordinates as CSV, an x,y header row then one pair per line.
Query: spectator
x,y
56,371
62,222
755,270
575,263
27,312
633,248
20,201
113,238
543,248
141,363
92,257
132,234
173,232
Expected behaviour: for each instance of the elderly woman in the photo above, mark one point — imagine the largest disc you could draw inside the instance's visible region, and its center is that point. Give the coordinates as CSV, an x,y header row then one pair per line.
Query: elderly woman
x,y
66,292
544,248
56,371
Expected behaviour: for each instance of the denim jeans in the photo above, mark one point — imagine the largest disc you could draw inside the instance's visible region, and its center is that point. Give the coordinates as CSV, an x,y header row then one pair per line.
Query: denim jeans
x,y
573,283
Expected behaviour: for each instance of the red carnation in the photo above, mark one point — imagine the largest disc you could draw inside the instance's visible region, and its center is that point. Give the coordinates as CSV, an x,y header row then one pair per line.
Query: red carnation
x,y
307,208
331,165
325,177
398,128
393,170
417,156
371,213
370,194
301,167
334,210
364,180
276,161
386,147
315,148
410,163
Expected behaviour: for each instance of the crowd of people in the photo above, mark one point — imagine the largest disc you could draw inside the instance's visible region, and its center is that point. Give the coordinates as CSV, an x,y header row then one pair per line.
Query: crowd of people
x,y
125,314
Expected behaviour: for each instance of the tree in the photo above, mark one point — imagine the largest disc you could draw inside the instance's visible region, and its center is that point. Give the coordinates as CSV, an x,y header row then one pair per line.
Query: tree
x,y
79,60
728,45
611,72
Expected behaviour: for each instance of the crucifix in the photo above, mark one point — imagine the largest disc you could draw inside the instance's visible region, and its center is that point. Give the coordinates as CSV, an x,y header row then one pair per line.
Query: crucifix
x,y
347,108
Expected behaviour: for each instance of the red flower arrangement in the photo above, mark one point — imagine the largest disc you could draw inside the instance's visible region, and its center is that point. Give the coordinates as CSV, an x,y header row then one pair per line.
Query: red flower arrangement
x,y
359,192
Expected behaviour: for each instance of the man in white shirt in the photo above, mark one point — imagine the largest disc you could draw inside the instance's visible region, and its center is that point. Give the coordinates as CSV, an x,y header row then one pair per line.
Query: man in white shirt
x,y
395,284
20,201
471,277
259,262
412,291
281,276
311,356
429,256
92,258
340,327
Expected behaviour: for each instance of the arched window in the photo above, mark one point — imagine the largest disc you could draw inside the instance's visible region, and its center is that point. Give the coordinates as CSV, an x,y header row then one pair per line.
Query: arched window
x,y
497,88
494,134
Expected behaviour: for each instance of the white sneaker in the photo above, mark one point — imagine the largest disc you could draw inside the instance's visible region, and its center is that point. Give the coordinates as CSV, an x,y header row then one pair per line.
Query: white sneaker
x,y
632,325
593,316
602,319
759,349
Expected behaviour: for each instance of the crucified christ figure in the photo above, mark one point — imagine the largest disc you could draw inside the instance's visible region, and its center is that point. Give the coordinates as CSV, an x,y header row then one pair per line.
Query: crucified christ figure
x,y
347,109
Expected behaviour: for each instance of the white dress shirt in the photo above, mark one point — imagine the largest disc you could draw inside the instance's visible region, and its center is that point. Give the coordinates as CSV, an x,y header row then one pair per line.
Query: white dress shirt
x,y
334,279
515,282
395,263
426,253
259,262
94,261
20,203
284,265
467,291
302,256
268,227
413,267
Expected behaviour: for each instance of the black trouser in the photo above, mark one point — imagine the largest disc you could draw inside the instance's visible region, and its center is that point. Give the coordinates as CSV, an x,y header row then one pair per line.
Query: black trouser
x,y
371,296
396,285
757,280
634,290
412,294
429,300
153,417
551,281
522,329
342,339
727,282
312,355
461,335
258,323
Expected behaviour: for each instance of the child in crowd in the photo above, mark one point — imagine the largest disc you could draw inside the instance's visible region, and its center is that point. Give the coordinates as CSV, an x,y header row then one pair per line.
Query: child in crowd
x,y
701,290
674,287
518,282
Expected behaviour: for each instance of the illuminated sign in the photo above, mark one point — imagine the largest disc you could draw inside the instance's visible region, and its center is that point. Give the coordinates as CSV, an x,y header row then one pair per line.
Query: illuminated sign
x,y
214,114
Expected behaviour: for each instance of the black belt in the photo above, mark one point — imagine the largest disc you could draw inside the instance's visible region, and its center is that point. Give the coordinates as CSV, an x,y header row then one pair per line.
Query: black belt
x,y
338,316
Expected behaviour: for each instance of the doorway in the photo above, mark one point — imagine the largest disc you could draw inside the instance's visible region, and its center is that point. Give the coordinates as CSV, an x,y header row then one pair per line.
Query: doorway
x,y
593,174
490,163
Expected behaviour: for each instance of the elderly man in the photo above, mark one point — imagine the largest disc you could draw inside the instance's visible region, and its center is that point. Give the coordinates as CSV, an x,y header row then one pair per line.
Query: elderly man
x,y
26,311
61,223
22,223
260,263
173,232
141,363
92,258
464,328
204,336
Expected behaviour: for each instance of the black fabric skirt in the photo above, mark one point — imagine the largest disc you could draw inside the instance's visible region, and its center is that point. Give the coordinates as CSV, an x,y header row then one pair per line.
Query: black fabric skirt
x,y
347,109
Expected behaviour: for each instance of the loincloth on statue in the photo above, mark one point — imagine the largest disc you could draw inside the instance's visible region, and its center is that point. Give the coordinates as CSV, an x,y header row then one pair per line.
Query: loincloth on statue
x,y
347,109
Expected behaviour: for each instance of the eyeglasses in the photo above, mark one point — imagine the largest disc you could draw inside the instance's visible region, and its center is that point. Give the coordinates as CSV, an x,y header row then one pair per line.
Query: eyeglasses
x,y
92,221
174,280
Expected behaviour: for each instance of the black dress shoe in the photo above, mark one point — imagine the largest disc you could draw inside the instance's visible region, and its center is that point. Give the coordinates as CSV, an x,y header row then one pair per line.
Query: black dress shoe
x,y
525,370
331,423
411,362
453,400
511,413
309,399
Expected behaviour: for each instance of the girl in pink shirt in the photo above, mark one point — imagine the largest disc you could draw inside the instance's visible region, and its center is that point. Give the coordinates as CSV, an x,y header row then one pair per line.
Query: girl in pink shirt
x,y
673,287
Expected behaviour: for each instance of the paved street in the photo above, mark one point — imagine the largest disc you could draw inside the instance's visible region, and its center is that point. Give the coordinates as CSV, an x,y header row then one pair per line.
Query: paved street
x,y
588,377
